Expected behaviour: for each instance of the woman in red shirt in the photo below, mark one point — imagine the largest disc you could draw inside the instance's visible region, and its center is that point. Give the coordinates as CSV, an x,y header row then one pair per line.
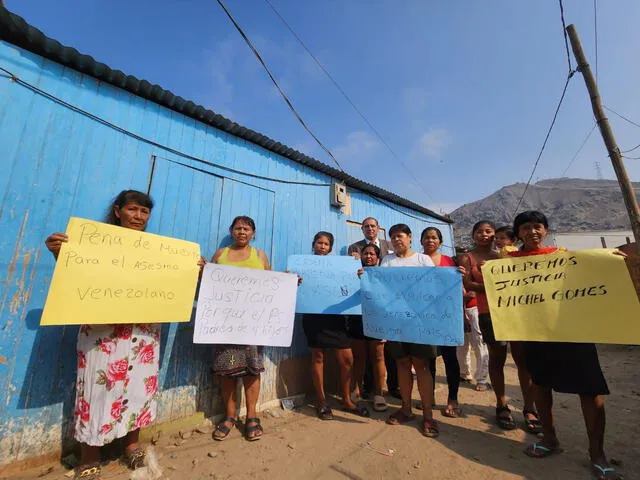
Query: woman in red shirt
x,y
431,240
563,367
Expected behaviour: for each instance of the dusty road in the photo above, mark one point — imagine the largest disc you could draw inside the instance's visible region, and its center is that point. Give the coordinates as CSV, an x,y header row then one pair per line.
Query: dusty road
x,y
299,445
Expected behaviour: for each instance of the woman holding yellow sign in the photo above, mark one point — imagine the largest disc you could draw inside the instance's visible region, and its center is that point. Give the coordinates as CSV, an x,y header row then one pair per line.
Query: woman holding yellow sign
x,y
117,376
231,362
563,367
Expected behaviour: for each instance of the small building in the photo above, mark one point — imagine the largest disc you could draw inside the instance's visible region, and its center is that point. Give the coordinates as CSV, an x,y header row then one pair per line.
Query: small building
x,y
73,133
588,240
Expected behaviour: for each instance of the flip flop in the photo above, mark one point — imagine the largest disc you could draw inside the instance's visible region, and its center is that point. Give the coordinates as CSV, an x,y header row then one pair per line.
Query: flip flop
x,y
255,431
379,403
400,418
605,473
532,425
430,428
325,413
360,411
135,458
452,412
505,422
537,450
483,387
88,472
223,430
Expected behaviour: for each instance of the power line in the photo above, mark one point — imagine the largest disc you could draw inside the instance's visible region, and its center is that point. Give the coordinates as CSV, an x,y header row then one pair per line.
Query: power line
x,y
631,149
13,77
584,142
348,99
566,38
555,115
595,31
622,116
275,82
544,144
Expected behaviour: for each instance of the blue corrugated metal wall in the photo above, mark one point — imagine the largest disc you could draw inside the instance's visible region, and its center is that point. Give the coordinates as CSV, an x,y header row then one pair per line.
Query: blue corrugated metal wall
x,y
56,162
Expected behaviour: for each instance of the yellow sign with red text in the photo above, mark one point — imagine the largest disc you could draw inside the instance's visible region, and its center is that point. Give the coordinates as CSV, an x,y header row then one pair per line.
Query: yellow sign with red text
x,y
582,296
109,274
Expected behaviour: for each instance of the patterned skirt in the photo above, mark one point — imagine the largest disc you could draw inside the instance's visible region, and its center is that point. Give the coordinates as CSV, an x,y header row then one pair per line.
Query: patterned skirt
x,y
237,360
117,381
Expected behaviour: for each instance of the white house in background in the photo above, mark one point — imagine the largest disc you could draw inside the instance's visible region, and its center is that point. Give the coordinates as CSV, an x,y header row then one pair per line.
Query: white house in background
x,y
586,240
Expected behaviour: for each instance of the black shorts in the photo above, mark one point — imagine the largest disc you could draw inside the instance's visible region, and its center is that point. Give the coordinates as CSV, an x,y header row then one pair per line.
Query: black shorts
x,y
486,327
566,367
326,331
399,350
355,329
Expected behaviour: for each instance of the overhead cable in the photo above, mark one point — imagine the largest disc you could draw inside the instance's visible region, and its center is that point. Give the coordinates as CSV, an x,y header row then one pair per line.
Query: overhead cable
x,y
555,115
275,82
584,142
544,144
595,31
566,37
412,176
622,116
13,77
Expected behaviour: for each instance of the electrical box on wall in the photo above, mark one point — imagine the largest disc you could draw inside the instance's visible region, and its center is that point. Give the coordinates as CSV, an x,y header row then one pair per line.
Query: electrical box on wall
x,y
338,195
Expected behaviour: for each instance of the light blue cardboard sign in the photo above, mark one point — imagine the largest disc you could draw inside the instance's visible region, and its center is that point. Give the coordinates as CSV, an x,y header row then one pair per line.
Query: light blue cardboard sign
x,y
413,304
330,283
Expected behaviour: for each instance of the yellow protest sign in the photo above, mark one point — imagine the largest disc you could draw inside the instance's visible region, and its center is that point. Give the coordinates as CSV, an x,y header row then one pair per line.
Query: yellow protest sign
x,y
109,274
583,296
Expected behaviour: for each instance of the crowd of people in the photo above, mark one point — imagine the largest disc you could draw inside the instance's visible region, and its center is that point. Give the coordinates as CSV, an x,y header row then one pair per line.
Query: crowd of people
x,y
117,379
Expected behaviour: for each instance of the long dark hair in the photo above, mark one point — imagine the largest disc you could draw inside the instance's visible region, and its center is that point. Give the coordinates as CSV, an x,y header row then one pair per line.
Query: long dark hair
x,y
124,197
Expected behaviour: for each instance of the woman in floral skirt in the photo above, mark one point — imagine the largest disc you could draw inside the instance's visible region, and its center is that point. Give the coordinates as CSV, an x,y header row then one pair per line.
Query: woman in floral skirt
x,y
118,365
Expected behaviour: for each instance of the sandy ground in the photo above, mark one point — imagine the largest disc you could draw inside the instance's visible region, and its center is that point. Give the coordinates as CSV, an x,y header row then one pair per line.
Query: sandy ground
x,y
298,445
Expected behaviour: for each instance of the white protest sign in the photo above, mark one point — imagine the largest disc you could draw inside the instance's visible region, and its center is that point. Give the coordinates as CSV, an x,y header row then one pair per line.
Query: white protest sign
x,y
245,306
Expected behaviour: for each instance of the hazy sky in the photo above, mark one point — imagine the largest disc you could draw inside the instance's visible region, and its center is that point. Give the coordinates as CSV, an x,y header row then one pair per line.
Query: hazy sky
x,y
462,90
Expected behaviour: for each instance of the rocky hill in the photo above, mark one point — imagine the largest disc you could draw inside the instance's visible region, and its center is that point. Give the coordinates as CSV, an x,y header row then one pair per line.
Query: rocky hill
x,y
572,205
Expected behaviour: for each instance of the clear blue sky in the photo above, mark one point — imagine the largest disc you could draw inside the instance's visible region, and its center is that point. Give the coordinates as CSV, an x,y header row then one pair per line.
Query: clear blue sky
x,y
462,91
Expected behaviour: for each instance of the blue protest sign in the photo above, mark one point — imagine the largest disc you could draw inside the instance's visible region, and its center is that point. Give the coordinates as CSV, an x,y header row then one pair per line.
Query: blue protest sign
x,y
413,304
330,284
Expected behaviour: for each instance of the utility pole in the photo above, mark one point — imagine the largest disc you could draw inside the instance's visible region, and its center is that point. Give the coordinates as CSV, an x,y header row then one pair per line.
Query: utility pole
x,y
628,194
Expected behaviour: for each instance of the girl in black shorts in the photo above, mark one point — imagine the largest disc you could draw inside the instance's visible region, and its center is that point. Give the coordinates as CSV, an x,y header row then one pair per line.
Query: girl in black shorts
x,y
563,367
483,234
329,331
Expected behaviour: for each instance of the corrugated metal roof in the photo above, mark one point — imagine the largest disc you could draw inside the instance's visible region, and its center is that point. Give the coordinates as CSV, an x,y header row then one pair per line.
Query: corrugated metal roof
x,y
14,29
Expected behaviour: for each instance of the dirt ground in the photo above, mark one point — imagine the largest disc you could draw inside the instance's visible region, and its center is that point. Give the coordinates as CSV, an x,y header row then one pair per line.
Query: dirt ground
x,y
299,445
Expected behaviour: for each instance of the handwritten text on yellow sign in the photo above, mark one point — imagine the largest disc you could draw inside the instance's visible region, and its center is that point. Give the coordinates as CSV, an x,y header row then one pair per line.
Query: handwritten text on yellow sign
x,y
109,274
581,296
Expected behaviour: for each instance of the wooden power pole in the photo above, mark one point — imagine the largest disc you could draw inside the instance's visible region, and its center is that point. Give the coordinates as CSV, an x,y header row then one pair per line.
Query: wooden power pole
x,y
628,194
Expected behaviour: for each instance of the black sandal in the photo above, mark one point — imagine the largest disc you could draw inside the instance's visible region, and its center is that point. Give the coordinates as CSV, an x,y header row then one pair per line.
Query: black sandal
x,y
360,410
135,458
223,429
250,432
532,425
325,413
505,422
88,472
